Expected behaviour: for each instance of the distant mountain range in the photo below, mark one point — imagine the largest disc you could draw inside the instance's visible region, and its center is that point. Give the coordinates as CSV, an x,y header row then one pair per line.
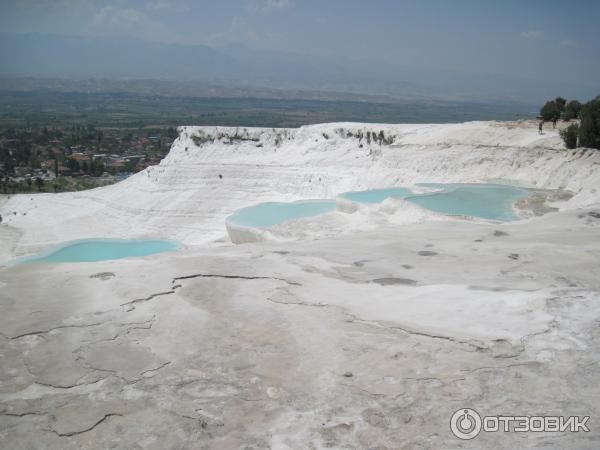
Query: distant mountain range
x,y
252,71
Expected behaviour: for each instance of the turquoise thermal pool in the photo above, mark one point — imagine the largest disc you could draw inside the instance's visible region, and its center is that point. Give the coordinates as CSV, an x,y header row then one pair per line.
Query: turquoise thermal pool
x,y
268,214
486,201
91,250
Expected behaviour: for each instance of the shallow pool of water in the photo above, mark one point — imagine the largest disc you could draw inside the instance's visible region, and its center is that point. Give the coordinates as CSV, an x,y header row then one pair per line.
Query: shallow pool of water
x,y
486,201
90,250
272,213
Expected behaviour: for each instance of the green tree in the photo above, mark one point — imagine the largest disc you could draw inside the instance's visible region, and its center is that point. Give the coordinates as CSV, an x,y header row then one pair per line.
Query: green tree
x,y
39,183
550,110
129,166
589,128
560,103
73,164
96,167
569,135
572,110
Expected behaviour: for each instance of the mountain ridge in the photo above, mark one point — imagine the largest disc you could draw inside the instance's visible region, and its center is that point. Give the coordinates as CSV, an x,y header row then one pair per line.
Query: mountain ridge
x,y
122,57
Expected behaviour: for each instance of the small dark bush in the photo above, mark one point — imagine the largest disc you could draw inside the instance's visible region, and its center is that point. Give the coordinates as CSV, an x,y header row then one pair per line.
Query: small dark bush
x,y
589,129
569,135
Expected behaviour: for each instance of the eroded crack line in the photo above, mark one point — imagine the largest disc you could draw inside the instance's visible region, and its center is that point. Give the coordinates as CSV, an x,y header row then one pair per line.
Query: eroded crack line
x,y
363,391
234,277
507,366
71,386
551,327
155,369
146,299
201,275
54,386
477,345
375,323
129,326
75,433
25,414
419,379
472,343
34,333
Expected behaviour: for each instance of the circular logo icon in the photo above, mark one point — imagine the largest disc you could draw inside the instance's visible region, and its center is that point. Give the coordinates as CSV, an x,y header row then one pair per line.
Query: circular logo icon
x,y
465,423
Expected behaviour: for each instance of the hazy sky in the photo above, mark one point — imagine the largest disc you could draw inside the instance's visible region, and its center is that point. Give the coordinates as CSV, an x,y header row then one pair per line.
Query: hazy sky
x,y
545,39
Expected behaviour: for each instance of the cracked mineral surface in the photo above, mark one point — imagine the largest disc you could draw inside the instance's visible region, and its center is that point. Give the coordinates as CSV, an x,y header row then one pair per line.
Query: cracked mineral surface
x,y
251,346
364,337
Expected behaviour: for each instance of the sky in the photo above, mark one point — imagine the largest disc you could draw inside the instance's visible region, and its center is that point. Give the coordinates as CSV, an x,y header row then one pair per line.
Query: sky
x,y
534,39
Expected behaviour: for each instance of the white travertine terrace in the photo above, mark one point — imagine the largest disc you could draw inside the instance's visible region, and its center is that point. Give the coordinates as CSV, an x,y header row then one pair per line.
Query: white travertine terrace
x,y
212,171
363,328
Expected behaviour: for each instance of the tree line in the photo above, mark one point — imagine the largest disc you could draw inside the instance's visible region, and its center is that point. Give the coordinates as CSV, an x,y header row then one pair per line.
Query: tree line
x,y
585,132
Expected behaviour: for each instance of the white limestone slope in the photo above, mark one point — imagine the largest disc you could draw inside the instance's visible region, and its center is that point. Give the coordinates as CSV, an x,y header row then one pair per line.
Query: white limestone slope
x,y
212,171
372,339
